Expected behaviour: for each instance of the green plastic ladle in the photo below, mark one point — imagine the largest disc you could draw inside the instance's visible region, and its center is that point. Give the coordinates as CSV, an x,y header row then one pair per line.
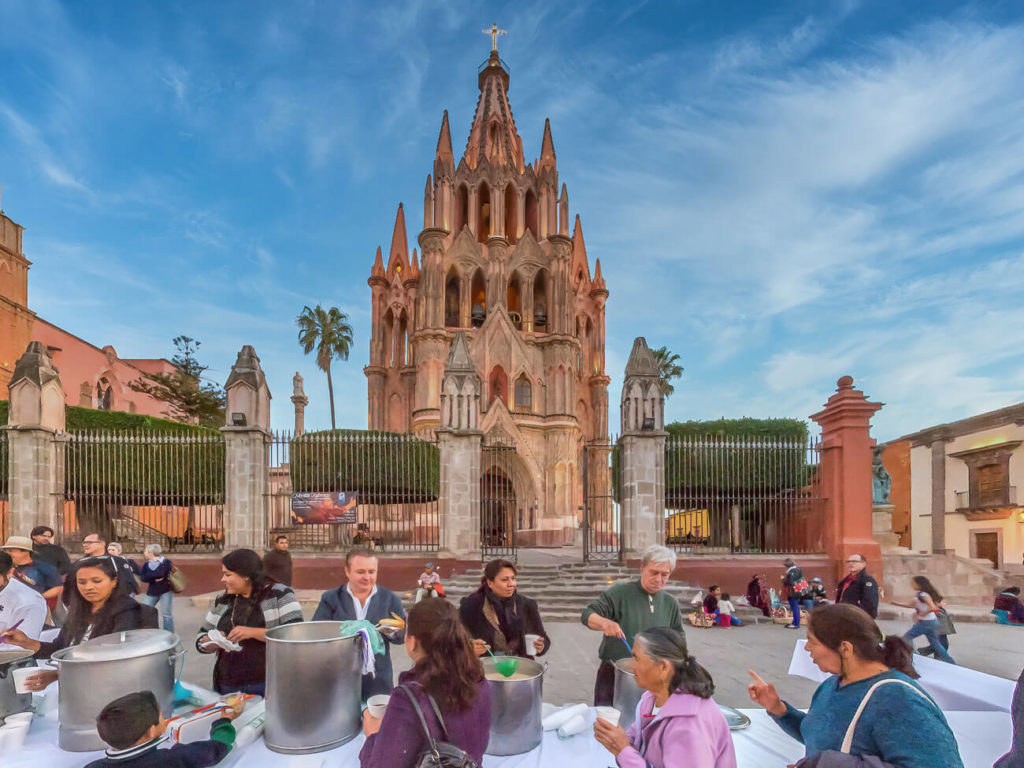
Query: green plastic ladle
x,y
506,666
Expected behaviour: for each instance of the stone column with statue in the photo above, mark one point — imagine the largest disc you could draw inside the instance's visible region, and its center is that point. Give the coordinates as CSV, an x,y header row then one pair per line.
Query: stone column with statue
x,y
300,401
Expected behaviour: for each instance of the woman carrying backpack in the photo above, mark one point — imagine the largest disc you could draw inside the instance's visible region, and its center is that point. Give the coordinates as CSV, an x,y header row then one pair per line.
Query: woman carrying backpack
x,y
445,672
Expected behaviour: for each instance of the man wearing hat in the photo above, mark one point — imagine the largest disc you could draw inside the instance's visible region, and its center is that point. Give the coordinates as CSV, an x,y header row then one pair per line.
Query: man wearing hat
x,y
47,551
40,575
429,584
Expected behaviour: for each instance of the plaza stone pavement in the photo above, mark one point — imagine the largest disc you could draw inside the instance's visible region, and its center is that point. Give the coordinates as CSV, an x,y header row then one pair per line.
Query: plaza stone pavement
x,y
726,653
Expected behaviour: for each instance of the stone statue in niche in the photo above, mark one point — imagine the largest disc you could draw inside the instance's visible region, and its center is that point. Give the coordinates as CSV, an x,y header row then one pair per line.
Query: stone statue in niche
x,y
881,480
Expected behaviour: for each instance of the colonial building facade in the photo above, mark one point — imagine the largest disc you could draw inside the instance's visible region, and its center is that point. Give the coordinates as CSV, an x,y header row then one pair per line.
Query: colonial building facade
x,y
498,261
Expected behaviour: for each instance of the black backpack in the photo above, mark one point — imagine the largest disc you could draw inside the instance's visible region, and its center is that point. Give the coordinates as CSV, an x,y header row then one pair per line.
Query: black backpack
x,y
438,754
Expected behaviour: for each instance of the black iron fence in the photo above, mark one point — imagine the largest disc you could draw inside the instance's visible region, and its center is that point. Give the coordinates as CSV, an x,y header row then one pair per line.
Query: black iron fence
x,y
5,471
334,489
602,515
743,495
499,518
145,487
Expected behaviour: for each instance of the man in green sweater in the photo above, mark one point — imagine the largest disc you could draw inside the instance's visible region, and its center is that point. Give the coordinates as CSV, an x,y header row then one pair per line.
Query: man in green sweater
x,y
625,609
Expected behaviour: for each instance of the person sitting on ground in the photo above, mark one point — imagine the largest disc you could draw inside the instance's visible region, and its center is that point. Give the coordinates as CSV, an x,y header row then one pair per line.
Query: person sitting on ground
x,y
19,604
445,672
251,604
678,725
278,562
499,618
429,584
727,612
627,608
361,598
96,607
871,706
134,729
711,601
47,551
817,592
1009,600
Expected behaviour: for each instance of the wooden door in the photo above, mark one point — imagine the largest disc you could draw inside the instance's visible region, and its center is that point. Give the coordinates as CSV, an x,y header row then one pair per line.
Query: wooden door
x,y
986,545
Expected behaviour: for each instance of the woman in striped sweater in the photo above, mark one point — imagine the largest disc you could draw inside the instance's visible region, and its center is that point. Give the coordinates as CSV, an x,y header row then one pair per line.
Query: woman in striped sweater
x,y
251,604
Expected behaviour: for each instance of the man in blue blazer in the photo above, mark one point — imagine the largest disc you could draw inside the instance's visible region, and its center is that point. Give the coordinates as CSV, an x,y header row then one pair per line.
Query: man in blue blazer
x,y
361,598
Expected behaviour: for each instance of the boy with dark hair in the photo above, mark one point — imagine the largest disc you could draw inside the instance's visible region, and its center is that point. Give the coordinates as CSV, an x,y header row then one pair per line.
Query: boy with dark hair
x,y
134,729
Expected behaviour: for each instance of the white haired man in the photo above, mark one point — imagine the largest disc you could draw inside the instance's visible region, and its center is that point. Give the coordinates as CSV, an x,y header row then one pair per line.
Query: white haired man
x,y
625,609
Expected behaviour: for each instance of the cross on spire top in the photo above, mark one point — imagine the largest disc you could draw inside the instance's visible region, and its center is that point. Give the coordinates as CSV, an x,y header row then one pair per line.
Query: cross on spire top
x,y
494,32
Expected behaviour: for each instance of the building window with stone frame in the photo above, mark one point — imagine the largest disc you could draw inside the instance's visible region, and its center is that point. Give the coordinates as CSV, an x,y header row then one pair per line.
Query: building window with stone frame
x,y
523,394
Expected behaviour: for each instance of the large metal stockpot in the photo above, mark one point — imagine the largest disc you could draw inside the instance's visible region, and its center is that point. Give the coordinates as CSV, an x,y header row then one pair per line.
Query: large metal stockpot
x,y
314,687
12,702
515,707
627,692
105,668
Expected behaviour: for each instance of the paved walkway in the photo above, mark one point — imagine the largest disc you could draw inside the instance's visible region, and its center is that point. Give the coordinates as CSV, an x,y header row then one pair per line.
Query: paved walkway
x,y
726,653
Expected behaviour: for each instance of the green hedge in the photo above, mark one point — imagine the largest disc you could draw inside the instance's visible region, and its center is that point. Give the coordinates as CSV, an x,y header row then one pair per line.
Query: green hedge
x,y
382,467
138,473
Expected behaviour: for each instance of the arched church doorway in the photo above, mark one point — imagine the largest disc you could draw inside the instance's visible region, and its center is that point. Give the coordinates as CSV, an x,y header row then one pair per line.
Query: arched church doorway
x,y
499,502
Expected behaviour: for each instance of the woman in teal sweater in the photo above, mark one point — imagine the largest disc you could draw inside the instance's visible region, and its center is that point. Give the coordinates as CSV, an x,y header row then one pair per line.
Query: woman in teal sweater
x,y
899,723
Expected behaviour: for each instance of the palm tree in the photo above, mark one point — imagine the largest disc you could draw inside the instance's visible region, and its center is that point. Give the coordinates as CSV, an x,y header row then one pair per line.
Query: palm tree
x,y
668,369
328,332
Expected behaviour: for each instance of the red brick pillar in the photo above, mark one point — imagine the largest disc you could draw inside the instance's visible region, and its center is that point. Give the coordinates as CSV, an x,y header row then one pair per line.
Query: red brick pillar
x,y
846,444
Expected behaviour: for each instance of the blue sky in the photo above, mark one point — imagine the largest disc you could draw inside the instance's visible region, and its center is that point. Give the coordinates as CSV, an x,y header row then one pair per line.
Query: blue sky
x,y
781,193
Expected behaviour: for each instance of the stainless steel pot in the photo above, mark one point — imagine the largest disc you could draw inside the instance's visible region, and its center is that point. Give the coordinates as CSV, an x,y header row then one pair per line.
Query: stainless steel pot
x,y
314,686
627,692
515,708
12,702
100,670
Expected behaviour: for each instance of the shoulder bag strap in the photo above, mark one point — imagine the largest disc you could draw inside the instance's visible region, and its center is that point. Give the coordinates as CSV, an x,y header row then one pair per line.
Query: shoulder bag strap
x,y
440,719
419,713
848,739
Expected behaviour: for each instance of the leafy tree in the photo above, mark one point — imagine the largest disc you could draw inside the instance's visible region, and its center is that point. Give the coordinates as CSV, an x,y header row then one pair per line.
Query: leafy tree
x,y
188,397
668,369
328,332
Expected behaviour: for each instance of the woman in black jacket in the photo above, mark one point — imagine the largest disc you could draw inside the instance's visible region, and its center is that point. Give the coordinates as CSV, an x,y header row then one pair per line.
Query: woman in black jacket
x,y
95,607
499,618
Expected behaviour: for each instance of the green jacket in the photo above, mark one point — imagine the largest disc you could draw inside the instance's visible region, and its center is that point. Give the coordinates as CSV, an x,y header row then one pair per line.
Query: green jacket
x,y
629,605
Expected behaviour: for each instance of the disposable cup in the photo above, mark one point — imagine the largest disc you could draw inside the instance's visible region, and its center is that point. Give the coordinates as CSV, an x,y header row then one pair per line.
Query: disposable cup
x,y
376,705
20,675
609,714
530,639
13,736
21,717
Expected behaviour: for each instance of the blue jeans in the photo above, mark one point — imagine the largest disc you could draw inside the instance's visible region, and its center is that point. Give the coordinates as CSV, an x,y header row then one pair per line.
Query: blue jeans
x,y
930,629
164,604
808,604
794,606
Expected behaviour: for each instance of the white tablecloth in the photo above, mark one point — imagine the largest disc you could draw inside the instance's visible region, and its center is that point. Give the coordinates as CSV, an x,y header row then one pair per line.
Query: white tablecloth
x,y
954,688
982,736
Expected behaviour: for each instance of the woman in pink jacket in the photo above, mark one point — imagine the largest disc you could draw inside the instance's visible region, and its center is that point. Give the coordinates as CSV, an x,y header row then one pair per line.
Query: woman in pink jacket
x,y
678,724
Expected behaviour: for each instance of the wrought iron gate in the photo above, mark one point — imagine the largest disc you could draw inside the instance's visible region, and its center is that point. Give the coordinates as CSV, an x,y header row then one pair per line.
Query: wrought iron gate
x,y
498,508
602,515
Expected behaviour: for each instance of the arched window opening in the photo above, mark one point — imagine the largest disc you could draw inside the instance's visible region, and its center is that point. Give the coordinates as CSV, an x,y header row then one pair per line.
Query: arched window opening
x,y
523,394
540,301
484,219
451,300
104,395
530,212
461,207
587,347
513,302
400,341
387,342
497,386
511,214
478,299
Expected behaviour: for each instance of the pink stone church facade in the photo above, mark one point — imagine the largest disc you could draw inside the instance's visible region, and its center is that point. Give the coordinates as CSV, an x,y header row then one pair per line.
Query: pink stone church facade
x,y
497,260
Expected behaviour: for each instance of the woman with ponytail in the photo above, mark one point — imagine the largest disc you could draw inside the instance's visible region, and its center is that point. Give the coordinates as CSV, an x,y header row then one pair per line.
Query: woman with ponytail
x,y
871,707
678,724
445,670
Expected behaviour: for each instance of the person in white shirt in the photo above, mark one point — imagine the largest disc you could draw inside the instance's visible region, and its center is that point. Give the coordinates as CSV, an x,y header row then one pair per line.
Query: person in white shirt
x,y
18,603
429,582
727,609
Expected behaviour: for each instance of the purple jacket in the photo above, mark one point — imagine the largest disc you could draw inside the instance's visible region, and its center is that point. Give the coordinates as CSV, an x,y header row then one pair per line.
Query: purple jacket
x,y
688,732
402,735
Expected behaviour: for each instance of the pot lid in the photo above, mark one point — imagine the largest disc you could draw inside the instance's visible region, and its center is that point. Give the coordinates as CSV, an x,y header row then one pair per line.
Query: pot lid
x,y
129,644
6,657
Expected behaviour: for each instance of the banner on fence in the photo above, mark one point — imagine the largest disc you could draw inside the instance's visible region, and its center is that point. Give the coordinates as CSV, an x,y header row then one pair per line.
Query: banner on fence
x,y
319,508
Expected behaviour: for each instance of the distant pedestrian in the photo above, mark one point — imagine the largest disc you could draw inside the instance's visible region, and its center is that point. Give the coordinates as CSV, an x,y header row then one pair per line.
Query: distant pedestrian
x,y
793,586
1009,600
156,573
926,618
757,594
277,563
858,587
95,545
47,551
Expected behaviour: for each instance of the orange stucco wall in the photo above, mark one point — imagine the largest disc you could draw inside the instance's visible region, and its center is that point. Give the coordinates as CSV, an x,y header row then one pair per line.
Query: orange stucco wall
x,y
896,460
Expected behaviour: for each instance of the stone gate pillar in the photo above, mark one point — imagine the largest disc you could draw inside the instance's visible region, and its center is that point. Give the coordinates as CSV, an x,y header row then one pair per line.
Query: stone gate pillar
x,y
35,418
642,452
246,439
461,442
846,457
